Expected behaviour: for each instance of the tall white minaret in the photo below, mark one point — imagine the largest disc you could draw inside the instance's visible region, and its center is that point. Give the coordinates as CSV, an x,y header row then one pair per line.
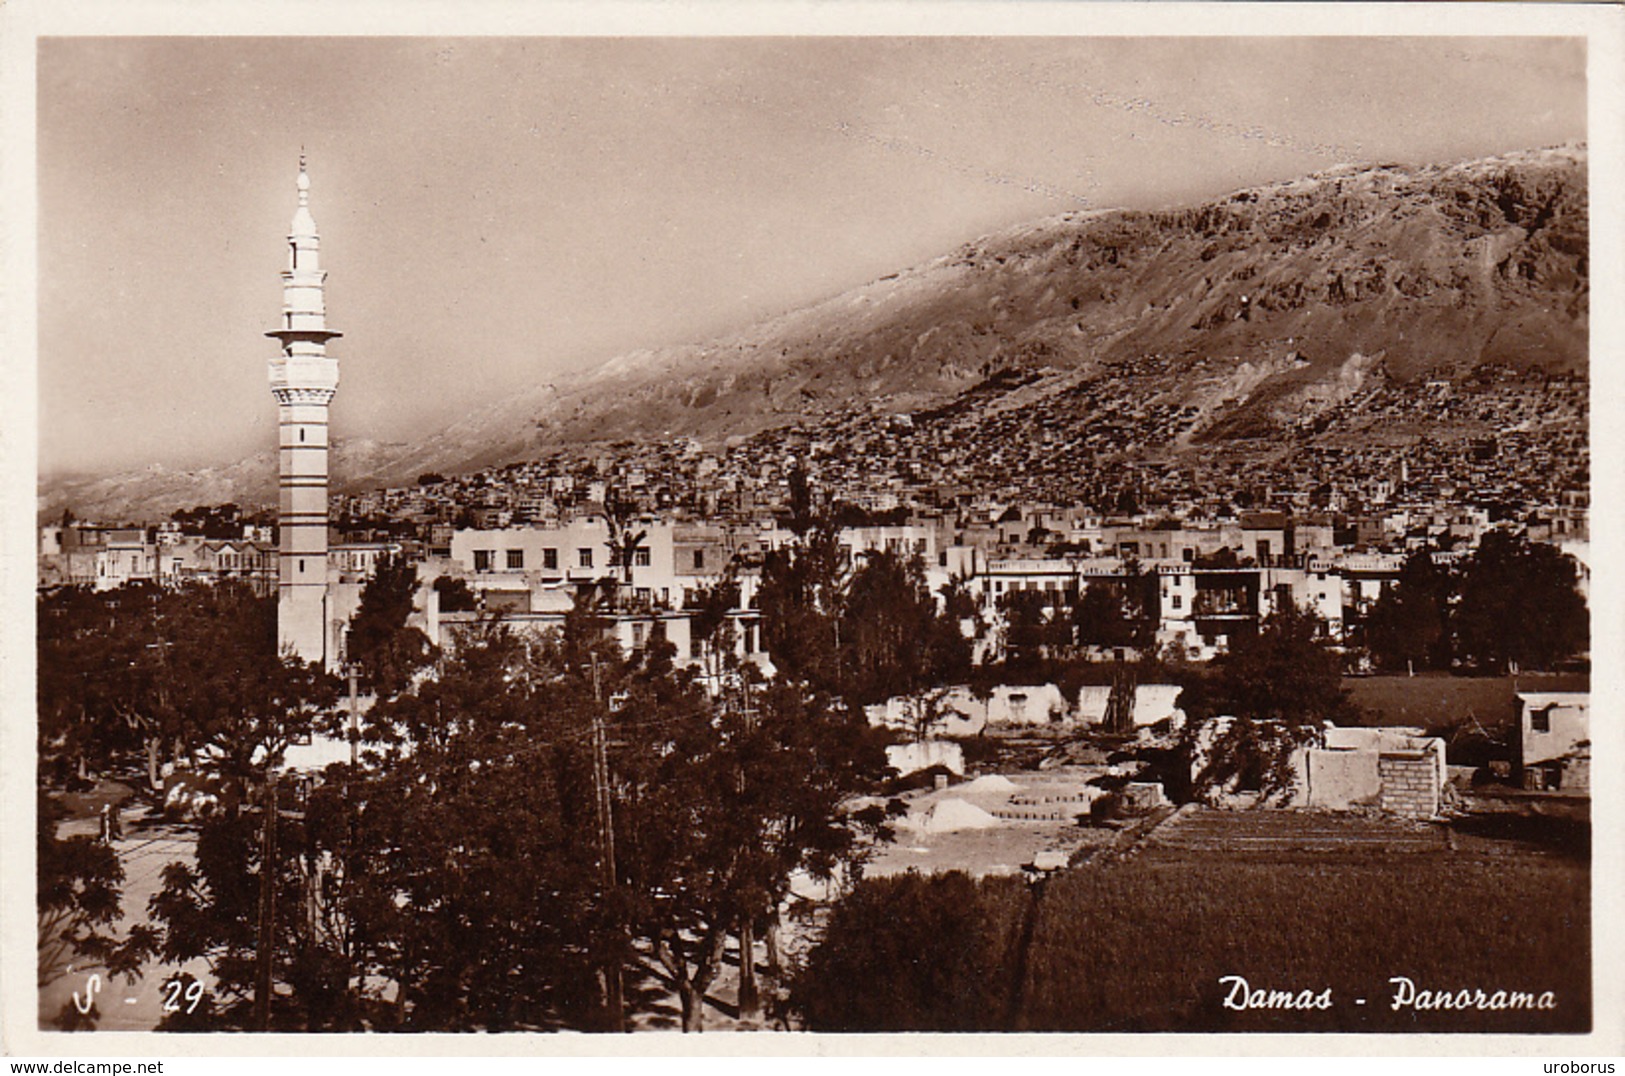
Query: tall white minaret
x,y
303,380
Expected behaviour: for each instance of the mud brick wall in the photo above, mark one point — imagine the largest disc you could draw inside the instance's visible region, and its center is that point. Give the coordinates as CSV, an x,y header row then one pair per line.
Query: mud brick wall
x,y
1410,784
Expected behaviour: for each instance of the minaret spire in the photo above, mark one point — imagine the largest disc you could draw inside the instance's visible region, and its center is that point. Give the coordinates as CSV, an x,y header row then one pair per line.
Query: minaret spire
x,y
303,381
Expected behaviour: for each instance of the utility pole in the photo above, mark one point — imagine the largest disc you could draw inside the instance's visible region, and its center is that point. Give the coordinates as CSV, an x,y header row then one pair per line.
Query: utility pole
x,y
355,728
613,988
155,741
348,866
264,948
750,995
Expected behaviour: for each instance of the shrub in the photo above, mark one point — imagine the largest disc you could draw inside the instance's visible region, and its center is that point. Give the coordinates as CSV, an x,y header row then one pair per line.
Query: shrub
x,y
915,953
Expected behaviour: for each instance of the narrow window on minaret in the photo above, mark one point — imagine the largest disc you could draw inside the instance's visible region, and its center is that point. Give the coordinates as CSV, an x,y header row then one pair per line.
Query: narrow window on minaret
x,y
293,255
301,435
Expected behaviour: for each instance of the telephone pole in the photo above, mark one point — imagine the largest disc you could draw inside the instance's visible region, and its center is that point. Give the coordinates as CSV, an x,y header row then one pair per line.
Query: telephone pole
x,y
265,947
750,995
613,987
355,729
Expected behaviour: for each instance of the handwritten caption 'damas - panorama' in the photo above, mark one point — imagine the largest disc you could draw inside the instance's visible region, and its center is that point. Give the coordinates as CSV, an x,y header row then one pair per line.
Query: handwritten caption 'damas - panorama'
x,y
1241,995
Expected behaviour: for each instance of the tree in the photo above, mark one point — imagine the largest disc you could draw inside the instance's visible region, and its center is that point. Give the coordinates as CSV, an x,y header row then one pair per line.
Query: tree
x,y
1223,557
928,711
1287,672
198,666
623,541
722,801
141,666
241,703
800,597
95,684
468,884
1101,616
455,595
1519,605
915,953
78,903
958,602
214,908
1265,698
1141,599
710,605
242,905
1032,631
446,884
1245,754
1408,627
388,652
892,640
443,886
803,514
221,522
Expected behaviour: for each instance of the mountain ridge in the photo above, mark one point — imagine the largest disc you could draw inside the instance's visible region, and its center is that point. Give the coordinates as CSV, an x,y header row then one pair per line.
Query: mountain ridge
x,y
1280,299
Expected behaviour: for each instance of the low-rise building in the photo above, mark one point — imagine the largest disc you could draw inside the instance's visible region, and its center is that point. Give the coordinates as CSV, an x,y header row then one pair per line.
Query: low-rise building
x,y
1554,741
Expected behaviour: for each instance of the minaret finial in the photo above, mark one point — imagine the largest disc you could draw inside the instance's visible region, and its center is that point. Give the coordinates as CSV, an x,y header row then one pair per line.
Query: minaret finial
x,y
304,180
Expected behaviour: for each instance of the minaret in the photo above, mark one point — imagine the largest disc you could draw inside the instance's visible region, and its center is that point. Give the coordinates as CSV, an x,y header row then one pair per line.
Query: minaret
x,y
303,380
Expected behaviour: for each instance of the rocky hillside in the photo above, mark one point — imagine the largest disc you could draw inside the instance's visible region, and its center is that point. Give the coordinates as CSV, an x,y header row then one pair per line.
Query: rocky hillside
x,y
1278,302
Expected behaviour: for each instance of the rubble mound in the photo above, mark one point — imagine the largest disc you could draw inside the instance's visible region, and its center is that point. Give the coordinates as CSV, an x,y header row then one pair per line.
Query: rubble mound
x,y
948,816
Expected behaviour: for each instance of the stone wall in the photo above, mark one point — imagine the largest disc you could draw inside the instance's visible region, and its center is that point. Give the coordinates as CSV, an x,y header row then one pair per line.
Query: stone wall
x,y
1577,775
1342,778
1410,783
909,758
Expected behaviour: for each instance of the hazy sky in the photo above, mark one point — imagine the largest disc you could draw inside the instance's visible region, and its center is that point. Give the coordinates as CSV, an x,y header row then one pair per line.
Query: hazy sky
x,y
496,210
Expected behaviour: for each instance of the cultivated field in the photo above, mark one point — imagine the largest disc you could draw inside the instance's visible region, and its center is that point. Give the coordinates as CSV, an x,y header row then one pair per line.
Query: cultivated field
x,y
1439,701
1297,902
1143,944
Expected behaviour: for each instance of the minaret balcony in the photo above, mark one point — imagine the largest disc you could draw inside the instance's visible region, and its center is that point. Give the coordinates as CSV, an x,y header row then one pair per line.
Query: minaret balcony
x,y
304,335
295,396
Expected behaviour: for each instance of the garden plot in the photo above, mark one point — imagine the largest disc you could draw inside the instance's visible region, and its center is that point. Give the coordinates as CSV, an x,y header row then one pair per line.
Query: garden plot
x,y
1202,829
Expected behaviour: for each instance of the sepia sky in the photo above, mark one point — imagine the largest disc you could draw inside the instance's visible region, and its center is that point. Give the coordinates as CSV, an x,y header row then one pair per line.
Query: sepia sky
x,y
496,210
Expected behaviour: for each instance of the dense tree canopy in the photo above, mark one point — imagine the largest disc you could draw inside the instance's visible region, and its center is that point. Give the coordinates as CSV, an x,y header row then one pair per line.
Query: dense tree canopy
x,y
99,680
474,884
892,639
916,953
194,670
1512,603
1033,631
800,600
1287,672
1102,617
1408,628
456,880
544,816
1519,605
455,595
380,642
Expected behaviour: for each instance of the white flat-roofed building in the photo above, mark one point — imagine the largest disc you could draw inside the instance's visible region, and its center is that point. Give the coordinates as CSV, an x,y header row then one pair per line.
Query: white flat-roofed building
x,y
1554,740
577,552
